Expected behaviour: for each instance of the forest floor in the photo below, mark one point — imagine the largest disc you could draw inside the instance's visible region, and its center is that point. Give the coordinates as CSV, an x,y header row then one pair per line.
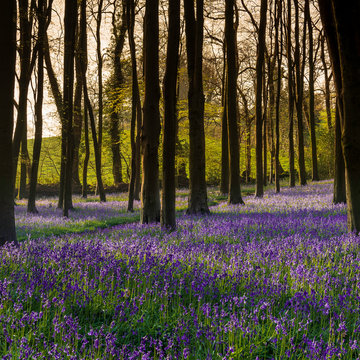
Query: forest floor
x,y
277,278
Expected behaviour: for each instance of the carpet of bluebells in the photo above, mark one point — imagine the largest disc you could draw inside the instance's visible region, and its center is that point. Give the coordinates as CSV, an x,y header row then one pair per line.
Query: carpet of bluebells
x,y
277,278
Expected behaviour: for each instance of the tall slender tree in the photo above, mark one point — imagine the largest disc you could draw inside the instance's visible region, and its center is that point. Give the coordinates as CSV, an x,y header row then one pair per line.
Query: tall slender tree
x,y
7,74
119,28
231,104
299,75
89,108
41,15
150,196
259,88
87,152
27,56
78,113
339,169
170,117
314,160
194,29
343,36
278,55
291,101
136,112
327,83
70,22
224,181
100,65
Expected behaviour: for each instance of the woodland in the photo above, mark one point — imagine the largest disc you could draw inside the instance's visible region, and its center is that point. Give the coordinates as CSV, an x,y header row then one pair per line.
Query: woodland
x,y
179,179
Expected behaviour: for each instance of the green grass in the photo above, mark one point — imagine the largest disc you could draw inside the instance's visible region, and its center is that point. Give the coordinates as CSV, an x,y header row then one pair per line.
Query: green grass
x,y
91,225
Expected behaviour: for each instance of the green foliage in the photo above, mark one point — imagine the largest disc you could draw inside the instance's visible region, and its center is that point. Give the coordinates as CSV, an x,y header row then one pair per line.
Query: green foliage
x,y
325,144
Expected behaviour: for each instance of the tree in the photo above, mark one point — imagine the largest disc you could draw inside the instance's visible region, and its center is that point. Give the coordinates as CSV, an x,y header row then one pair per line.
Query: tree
x,y
7,74
150,197
339,168
136,118
278,56
315,173
89,108
69,51
170,117
291,100
231,105
78,116
42,11
87,152
299,75
119,33
194,29
341,25
259,87
56,92
100,62
224,181
27,61
327,83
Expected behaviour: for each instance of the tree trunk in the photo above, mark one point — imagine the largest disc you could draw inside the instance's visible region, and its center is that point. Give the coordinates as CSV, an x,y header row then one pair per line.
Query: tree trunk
x,y
265,130
31,207
278,55
137,186
299,69
231,105
315,173
136,106
150,197
346,20
83,43
119,33
25,75
258,101
100,78
194,45
248,121
339,172
168,219
78,117
55,89
272,63
291,103
69,51
7,75
24,161
87,152
327,84
224,181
